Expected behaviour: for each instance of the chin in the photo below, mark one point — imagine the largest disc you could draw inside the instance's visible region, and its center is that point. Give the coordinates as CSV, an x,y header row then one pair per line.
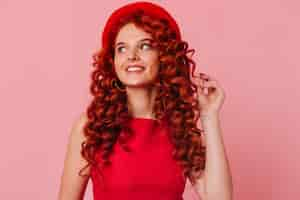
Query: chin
x,y
139,84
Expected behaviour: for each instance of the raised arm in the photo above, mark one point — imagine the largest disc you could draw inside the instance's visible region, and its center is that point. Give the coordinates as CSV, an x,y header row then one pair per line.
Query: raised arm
x,y
73,186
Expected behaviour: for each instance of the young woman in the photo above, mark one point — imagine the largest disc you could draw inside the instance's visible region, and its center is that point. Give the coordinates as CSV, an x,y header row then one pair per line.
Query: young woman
x,y
139,137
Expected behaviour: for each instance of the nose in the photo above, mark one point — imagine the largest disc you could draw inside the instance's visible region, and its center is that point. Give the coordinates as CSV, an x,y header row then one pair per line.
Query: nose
x,y
133,55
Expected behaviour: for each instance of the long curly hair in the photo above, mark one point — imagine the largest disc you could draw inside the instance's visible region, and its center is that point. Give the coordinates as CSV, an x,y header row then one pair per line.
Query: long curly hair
x,y
176,100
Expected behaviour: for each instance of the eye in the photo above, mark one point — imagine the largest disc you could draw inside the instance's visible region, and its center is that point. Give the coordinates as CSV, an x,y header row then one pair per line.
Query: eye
x,y
119,49
146,45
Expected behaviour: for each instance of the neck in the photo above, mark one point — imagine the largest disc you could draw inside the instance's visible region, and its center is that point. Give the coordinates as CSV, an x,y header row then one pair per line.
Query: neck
x,y
141,101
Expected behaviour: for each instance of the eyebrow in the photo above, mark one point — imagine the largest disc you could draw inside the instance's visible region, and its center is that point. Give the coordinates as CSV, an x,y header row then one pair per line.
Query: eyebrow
x,y
145,39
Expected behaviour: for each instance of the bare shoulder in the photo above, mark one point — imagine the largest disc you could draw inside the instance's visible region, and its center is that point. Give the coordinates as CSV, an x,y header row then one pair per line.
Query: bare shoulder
x,y
72,185
80,121
78,126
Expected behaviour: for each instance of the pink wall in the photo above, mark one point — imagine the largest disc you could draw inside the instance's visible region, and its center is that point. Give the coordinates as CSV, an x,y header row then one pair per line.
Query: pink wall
x,y
249,46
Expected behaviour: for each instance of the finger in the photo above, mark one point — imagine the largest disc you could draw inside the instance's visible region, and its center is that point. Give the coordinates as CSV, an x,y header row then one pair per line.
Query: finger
x,y
210,84
207,77
204,76
200,83
204,90
202,96
201,88
206,84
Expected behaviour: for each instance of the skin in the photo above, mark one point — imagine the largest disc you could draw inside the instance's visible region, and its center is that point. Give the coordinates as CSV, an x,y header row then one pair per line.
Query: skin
x,y
216,182
133,46
73,186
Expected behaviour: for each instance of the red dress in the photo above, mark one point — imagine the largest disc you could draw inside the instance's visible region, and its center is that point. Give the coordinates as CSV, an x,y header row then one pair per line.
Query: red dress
x,y
148,172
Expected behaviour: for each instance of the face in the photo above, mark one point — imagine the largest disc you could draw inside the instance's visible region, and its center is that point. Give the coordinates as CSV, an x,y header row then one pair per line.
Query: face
x,y
133,48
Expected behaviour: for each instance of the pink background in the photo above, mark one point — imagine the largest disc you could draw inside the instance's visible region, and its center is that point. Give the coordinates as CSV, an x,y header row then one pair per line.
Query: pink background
x,y
251,47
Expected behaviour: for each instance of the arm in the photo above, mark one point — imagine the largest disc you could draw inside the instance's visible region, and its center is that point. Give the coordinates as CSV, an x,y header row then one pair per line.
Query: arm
x,y
216,182
73,186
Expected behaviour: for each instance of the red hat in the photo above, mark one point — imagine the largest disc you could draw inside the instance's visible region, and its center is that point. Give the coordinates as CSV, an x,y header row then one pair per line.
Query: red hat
x,y
151,9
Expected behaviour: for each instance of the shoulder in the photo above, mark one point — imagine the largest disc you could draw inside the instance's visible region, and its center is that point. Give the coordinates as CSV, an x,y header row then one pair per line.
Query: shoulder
x,y
73,186
81,120
78,126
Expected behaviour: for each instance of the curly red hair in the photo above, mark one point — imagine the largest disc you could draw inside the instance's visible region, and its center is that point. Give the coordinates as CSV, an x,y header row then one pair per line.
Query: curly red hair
x,y
176,99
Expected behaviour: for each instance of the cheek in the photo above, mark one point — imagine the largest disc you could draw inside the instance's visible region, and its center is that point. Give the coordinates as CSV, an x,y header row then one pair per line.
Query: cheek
x,y
117,62
152,59
155,63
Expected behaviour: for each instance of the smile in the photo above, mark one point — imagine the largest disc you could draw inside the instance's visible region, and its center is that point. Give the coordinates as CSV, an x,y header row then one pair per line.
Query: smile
x,y
135,69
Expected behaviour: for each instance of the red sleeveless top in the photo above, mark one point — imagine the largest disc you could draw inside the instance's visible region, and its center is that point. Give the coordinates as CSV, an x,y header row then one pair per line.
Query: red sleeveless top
x,y
147,172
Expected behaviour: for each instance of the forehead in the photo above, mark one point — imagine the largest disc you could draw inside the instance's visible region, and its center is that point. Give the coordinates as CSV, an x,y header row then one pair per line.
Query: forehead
x,y
131,33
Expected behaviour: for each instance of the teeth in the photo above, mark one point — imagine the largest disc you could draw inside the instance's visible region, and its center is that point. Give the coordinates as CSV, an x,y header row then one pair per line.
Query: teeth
x,y
132,69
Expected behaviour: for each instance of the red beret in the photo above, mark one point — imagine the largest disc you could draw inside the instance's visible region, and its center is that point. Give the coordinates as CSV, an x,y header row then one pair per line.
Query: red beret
x,y
150,9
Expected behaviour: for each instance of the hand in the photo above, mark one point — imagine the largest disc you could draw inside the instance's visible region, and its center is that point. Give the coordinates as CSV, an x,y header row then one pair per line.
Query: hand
x,y
210,95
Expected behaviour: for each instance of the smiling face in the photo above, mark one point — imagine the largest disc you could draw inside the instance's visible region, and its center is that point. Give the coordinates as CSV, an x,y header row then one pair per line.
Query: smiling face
x,y
133,47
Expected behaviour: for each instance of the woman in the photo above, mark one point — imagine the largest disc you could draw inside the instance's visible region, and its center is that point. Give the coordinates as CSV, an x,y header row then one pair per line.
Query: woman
x,y
139,137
